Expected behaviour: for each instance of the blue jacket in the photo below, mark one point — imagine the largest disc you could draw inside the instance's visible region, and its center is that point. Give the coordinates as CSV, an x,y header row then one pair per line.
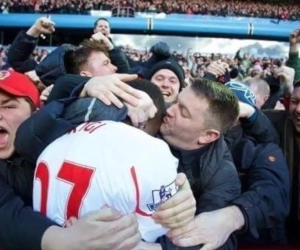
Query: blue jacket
x,y
265,199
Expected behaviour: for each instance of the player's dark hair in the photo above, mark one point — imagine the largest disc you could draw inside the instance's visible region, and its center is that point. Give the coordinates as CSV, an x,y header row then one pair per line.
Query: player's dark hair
x,y
155,94
152,126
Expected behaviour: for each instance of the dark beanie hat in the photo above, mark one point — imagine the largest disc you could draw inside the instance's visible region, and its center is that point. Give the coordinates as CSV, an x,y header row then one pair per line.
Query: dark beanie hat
x,y
171,65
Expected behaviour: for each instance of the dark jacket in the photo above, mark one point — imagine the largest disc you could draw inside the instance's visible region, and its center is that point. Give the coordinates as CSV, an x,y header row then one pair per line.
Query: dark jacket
x,y
265,199
290,144
206,170
214,182
19,53
52,67
213,178
20,227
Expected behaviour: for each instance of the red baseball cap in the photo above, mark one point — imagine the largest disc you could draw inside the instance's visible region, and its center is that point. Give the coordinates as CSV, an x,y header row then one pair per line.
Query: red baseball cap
x,y
19,85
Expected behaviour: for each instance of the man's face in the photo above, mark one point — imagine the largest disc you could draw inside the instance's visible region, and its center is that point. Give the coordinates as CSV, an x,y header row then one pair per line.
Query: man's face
x,y
13,111
103,27
184,123
295,108
98,65
168,83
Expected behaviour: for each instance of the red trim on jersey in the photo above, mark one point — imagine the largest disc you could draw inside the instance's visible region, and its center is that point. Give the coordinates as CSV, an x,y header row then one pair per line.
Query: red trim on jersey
x,y
137,191
42,174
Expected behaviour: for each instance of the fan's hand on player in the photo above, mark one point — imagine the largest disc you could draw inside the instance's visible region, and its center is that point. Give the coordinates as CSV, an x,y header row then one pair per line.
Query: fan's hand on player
x,y
180,209
70,222
142,112
110,88
105,229
210,229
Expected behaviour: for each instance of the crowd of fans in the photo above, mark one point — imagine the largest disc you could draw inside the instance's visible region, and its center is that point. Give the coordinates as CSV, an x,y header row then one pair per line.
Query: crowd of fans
x,y
247,8
194,64
76,158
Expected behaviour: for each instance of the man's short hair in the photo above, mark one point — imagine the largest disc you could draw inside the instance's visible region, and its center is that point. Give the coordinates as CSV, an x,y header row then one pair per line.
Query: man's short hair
x,y
75,60
223,110
100,19
262,86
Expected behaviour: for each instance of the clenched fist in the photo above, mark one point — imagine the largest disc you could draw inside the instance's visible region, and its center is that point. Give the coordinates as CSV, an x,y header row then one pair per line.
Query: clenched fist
x,y
43,25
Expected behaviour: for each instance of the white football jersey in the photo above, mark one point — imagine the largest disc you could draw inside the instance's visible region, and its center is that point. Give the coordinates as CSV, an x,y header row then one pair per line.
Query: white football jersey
x,y
105,163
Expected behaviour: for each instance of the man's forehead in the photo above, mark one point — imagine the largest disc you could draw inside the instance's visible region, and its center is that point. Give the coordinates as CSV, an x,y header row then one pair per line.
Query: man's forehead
x,y
103,22
166,73
186,96
296,93
98,55
5,98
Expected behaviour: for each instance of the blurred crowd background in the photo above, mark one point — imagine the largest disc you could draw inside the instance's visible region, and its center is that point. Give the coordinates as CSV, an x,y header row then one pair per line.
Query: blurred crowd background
x,y
193,61
245,8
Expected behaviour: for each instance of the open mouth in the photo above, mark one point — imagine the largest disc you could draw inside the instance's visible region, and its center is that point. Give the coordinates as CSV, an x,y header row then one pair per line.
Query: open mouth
x,y
3,137
166,93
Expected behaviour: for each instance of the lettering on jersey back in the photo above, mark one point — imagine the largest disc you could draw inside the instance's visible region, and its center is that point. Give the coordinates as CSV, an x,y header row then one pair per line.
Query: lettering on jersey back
x,y
164,193
88,127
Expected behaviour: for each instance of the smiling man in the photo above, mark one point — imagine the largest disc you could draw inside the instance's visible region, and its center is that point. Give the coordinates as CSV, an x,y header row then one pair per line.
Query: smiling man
x,y
168,75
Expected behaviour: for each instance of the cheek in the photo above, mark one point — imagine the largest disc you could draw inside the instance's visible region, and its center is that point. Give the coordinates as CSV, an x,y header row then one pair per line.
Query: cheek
x,y
97,70
292,108
175,88
180,124
16,120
